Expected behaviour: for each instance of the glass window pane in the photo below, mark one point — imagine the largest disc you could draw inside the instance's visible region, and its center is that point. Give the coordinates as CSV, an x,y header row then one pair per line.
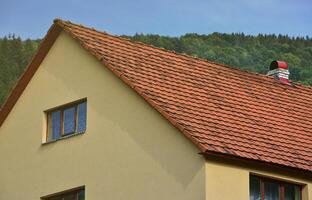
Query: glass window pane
x,y
69,120
82,117
297,193
292,192
81,195
271,191
70,197
254,188
77,195
54,125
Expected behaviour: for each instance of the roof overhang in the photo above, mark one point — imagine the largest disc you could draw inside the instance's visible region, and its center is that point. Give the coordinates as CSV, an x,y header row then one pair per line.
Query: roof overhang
x,y
254,164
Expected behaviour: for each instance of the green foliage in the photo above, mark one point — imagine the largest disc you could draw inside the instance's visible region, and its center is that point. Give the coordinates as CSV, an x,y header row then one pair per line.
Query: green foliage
x,y
253,53
15,54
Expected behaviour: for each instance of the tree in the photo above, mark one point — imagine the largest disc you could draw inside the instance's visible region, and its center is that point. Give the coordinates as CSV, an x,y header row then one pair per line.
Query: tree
x,y
248,52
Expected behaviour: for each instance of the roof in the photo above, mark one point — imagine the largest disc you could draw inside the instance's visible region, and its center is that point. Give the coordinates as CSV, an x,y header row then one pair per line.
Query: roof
x,y
221,109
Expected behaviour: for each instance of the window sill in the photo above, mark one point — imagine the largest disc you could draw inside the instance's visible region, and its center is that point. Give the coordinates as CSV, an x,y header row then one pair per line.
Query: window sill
x,y
62,138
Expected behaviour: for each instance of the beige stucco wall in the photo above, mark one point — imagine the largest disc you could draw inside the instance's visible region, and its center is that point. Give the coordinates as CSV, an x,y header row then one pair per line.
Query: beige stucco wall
x,y
129,150
230,180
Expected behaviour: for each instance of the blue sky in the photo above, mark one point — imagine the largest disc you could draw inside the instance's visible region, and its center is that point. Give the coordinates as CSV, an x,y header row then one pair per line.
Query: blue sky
x,y
32,18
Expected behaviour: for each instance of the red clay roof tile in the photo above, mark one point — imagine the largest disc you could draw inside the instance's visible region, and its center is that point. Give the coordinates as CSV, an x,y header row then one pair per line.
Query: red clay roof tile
x,y
221,109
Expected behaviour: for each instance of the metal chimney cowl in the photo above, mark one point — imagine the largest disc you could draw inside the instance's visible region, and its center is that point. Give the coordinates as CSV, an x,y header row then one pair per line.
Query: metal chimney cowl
x,y
279,70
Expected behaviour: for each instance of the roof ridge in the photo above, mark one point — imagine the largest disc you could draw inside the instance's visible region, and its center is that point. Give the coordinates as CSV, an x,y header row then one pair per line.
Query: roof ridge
x,y
63,23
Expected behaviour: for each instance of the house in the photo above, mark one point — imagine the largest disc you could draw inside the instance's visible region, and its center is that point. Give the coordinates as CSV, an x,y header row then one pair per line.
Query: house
x,y
97,116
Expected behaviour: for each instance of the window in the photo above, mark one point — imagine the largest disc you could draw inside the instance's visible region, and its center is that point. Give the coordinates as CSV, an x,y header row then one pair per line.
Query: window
x,y
74,194
267,189
66,120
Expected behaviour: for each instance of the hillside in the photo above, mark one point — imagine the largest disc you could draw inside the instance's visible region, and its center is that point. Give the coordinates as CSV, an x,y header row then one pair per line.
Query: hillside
x,y
15,54
252,53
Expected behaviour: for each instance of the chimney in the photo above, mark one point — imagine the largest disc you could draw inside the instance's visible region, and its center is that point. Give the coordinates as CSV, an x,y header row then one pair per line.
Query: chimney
x,y
279,70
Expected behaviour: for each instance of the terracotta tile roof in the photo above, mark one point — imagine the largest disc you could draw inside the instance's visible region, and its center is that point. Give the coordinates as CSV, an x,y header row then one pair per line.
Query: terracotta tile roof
x,y
220,108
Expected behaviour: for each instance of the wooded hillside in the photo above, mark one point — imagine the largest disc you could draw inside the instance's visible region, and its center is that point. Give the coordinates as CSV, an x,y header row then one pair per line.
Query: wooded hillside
x,y
252,53
15,54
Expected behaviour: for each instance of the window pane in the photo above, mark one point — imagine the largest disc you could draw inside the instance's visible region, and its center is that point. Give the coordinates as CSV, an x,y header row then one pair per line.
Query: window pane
x,y
70,197
81,195
76,195
271,191
254,188
292,192
82,117
69,120
55,125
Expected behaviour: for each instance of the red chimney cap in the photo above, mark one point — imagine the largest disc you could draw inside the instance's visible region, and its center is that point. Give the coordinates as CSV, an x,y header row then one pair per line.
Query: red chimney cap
x,y
278,64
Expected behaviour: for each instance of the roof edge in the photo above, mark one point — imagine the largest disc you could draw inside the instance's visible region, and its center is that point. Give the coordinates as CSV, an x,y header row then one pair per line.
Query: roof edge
x,y
103,61
223,157
46,44
63,23
30,70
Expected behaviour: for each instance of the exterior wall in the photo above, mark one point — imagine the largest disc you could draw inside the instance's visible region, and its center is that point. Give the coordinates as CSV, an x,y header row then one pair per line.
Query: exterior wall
x,y
230,180
129,150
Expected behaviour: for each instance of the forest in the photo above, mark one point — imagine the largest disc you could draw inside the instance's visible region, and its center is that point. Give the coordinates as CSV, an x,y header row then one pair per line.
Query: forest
x,y
247,52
